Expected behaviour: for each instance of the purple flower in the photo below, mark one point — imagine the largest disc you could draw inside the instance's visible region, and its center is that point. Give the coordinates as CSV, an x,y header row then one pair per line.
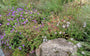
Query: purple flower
x,y
8,19
21,12
8,23
12,7
40,25
20,48
4,34
20,33
2,37
30,16
23,45
11,10
7,44
9,47
34,26
30,12
0,24
17,19
16,30
13,15
12,30
15,23
0,15
24,22
32,51
2,42
38,13
21,15
22,18
12,19
34,21
44,18
13,26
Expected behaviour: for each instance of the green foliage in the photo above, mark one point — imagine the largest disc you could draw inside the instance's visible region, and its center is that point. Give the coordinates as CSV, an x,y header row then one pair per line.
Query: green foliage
x,y
17,52
51,5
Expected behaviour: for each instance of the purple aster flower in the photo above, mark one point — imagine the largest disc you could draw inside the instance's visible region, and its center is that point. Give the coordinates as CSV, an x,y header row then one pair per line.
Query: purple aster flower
x,y
21,15
20,48
7,44
9,47
30,16
13,15
22,18
17,19
11,10
4,34
23,45
0,24
12,29
32,51
30,12
2,42
26,20
20,33
44,18
0,15
13,26
34,21
12,19
34,26
12,7
15,23
8,19
16,30
8,23
38,13
21,12
40,25
2,37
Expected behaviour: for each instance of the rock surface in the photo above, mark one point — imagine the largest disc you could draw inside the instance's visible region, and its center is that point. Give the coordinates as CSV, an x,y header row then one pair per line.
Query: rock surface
x,y
1,52
56,47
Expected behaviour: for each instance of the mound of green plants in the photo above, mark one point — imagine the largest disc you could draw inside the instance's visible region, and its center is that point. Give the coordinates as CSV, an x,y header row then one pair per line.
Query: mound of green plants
x,y
51,5
25,28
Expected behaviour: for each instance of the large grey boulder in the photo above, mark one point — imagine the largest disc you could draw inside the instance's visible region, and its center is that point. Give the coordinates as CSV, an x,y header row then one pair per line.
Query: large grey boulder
x,y
57,47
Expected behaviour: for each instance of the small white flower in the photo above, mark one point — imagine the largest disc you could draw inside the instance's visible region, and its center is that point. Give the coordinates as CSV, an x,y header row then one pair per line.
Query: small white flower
x,y
71,39
79,45
58,23
67,25
69,42
68,22
55,32
60,32
64,21
84,25
42,36
83,52
44,40
63,26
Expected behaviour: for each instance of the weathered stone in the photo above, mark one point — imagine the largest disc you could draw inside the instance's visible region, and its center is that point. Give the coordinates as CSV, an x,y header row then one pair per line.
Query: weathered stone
x,y
56,47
